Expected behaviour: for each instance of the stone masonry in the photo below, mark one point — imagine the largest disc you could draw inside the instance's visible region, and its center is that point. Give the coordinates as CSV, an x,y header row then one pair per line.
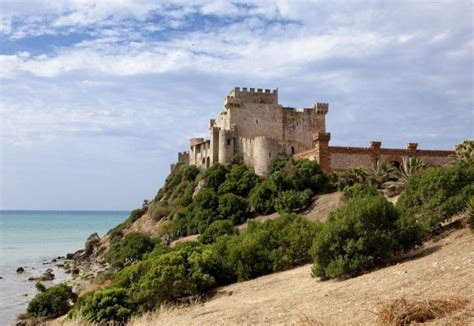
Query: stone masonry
x,y
257,130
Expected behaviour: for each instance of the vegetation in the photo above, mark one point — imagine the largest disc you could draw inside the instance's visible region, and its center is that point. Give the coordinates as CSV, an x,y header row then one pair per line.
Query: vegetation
x,y
409,167
470,213
292,200
129,250
217,229
362,234
434,195
357,236
52,302
106,305
359,191
464,154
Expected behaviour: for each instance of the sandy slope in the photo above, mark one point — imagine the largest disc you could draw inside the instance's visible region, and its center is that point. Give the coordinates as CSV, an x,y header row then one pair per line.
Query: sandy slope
x,y
442,269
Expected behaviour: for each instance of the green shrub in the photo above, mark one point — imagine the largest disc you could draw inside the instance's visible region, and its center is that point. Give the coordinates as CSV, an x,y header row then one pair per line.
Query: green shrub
x,y
359,235
170,277
52,302
130,249
275,245
217,229
434,195
106,305
215,176
292,200
158,212
206,199
299,175
262,197
470,213
234,208
239,181
40,287
359,190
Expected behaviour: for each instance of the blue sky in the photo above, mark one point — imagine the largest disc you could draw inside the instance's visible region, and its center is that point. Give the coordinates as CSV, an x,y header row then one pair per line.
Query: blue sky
x,y
97,97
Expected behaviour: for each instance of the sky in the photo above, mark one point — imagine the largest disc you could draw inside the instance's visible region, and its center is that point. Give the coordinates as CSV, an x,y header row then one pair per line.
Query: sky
x,y
97,97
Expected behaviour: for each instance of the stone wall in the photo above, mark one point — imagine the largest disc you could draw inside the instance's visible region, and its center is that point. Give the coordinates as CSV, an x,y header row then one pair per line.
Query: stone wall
x,y
256,128
339,158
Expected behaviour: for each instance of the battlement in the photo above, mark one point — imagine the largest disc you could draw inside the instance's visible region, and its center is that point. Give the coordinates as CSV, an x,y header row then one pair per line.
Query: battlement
x,y
238,95
196,141
321,108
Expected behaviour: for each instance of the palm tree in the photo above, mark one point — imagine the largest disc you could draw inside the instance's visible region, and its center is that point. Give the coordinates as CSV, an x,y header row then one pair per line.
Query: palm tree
x,y
380,174
405,171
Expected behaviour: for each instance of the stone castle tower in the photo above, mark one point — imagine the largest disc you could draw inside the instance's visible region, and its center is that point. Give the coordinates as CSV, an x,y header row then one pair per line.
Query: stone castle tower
x,y
257,130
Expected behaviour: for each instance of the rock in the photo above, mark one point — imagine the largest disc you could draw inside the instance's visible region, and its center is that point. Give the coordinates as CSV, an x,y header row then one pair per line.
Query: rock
x,y
69,256
1,277
48,275
24,294
21,323
91,243
20,270
54,260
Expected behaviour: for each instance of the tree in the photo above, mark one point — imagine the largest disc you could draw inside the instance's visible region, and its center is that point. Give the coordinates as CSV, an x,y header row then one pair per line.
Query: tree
x,y
381,173
262,197
234,208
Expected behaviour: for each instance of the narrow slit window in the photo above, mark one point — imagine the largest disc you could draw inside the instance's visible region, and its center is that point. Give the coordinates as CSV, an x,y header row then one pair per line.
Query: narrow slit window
x,y
256,121
228,141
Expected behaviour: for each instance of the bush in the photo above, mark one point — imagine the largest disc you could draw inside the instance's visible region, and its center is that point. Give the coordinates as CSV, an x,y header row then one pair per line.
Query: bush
x,y
129,250
234,208
262,197
299,175
359,191
170,277
267,247
434,195
106,305
292,200
40,287
217,229
158,212
206,199
470,213
357,236
215,176
239,181
52,302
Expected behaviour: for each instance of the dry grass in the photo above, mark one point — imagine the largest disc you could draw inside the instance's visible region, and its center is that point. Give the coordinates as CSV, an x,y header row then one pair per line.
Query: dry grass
x,y
404,311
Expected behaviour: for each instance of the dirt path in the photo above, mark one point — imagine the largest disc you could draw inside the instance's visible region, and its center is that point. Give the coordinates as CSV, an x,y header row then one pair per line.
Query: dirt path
x,y
442,269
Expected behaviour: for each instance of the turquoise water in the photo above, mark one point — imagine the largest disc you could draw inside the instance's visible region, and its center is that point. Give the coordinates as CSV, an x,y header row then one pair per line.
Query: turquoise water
x,y
29,238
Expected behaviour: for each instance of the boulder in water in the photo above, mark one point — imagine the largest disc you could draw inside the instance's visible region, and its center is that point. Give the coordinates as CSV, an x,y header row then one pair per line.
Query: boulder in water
x,y
20,270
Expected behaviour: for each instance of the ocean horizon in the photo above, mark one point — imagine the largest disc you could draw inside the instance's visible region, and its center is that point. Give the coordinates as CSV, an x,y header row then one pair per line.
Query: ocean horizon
x,y
30,238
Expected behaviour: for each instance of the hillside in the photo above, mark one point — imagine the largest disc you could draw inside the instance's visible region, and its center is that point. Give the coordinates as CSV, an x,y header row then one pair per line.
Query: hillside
x,y
439,270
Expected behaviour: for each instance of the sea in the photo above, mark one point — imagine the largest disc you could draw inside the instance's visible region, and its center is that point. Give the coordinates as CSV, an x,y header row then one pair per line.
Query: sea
x,y
31,239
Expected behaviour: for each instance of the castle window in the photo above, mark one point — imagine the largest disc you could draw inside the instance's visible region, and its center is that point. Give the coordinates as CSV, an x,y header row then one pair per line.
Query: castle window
x,y
269,154
228,141
292,150
256,121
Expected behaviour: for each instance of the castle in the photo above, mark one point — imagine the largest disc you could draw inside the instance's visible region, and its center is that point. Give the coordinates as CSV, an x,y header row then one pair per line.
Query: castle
x,y
257,130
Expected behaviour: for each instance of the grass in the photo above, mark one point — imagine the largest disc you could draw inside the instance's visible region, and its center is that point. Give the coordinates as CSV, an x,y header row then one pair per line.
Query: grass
x,y
404,311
